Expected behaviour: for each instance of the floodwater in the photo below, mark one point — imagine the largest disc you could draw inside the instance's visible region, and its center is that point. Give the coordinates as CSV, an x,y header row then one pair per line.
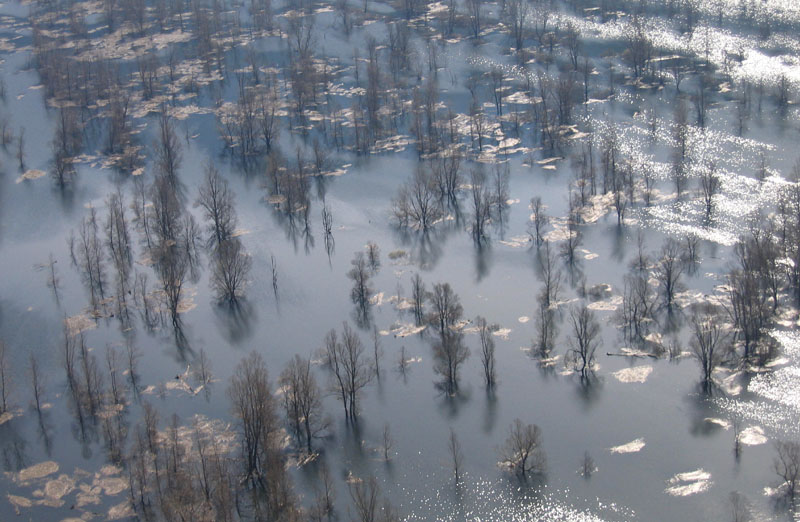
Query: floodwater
x,y
662,449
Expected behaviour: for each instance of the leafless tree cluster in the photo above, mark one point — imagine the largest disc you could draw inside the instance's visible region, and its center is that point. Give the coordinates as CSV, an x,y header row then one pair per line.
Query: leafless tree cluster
x,y
522,451
349,367
254,406
449,350
584,340
708,343
302,402
787,466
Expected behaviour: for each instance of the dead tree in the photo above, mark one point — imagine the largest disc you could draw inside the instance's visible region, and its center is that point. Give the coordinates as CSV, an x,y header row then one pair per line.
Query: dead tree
x,y
168,150
231,267
416,204
172,269
522,451
456,455
302,400
487,352
448,355
481,204
360,275
516,14
537,221
787,466
250,393
669,270
418,296
707,344
446,309
217,202
5,379
710,184
583,341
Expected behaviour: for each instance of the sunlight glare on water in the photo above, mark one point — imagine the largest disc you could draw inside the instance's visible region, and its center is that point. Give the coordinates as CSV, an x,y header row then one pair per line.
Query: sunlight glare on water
x,y
485,500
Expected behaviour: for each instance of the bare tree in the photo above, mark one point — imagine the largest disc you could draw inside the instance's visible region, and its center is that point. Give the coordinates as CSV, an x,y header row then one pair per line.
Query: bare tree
x,y
707,344
356,368
254,407
349,367
669,270
323,507
456,455
522,451
377,351
172,269
164,214
449,354
360,275
416,204
481,203
487,352
546,330
218,206
587,465
637,306
474,17
787,465
551,278
5,379
332,353
418,295
21,148
231,267
302,400
91,257
167,148
740,509
373,256
583,341
710,184
516,14
572,42
387,442
538,220
736,425
366,502
446,309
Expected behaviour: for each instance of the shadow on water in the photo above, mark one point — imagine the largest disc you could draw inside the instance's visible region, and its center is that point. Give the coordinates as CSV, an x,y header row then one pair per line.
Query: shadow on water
x,y
236,320
702,422
450,404
483,259
182,345
425,247
490,411
14,449
588,389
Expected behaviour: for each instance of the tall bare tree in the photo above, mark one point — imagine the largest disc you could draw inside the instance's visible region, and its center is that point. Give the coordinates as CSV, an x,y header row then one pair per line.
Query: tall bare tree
x,y
583,341
522,450
302,400
217,202
487,352
707,344
231,267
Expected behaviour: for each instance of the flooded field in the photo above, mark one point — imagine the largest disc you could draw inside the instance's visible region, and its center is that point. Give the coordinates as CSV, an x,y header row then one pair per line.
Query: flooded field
x,y
582,216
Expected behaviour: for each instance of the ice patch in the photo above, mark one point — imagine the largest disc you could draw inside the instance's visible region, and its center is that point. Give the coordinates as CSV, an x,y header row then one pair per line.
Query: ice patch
x,y
30,175
633,446
752,436
635,374
37,471
689,483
